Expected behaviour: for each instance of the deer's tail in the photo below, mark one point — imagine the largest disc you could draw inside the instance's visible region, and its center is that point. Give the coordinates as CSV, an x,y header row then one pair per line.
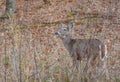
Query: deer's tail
x,y
103,52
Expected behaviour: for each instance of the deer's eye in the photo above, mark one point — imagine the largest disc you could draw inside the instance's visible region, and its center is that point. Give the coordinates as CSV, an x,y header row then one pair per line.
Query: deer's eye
x,y
65,29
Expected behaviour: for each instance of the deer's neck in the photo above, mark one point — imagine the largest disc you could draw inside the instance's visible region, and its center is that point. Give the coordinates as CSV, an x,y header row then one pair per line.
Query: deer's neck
x,y
66,40
68,43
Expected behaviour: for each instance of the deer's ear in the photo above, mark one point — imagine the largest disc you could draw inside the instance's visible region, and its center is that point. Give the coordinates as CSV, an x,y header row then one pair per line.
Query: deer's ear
x,y
62,25
70,26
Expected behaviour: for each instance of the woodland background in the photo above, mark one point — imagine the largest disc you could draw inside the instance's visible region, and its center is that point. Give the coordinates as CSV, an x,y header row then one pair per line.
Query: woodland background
x,y
30,51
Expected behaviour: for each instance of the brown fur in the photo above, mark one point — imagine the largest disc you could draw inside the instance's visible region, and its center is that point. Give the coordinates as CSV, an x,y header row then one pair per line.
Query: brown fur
x,y
82,49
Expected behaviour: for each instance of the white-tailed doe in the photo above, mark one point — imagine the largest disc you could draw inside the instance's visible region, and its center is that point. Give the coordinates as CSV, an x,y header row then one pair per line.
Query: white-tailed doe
x,y
82,49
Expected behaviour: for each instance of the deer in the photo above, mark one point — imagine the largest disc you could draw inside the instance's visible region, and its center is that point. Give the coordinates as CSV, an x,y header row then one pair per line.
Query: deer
x,y
82,49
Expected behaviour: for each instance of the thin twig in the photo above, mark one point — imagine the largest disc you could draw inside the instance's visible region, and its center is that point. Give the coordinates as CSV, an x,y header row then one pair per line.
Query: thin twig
x,y
20,60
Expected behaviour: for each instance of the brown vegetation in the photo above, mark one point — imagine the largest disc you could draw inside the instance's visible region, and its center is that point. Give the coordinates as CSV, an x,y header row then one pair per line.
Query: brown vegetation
x,y
30,51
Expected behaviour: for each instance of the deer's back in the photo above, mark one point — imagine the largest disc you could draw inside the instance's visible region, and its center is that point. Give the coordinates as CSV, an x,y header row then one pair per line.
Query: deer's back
x,y
85,48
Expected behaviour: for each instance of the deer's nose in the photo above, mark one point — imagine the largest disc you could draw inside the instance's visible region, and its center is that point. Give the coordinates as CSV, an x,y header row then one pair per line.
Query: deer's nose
x,y
57,33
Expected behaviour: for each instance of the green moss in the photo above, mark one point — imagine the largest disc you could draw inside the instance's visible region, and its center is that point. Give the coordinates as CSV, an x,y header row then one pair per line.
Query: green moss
x,y
5,61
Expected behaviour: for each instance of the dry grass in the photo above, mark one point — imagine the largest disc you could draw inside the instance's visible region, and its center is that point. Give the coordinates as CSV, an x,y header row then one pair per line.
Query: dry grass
x,y
35,54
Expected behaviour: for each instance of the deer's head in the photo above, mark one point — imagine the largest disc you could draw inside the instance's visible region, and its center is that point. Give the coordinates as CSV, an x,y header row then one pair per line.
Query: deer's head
x,y
63,32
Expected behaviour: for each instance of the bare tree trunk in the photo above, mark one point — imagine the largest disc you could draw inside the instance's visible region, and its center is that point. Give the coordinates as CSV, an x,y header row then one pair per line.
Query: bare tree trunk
x,y
10,7
5,60
36,74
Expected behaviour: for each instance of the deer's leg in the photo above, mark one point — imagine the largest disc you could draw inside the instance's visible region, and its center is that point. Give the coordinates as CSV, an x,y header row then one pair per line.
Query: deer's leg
x,y
76,62
86,67
93,63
